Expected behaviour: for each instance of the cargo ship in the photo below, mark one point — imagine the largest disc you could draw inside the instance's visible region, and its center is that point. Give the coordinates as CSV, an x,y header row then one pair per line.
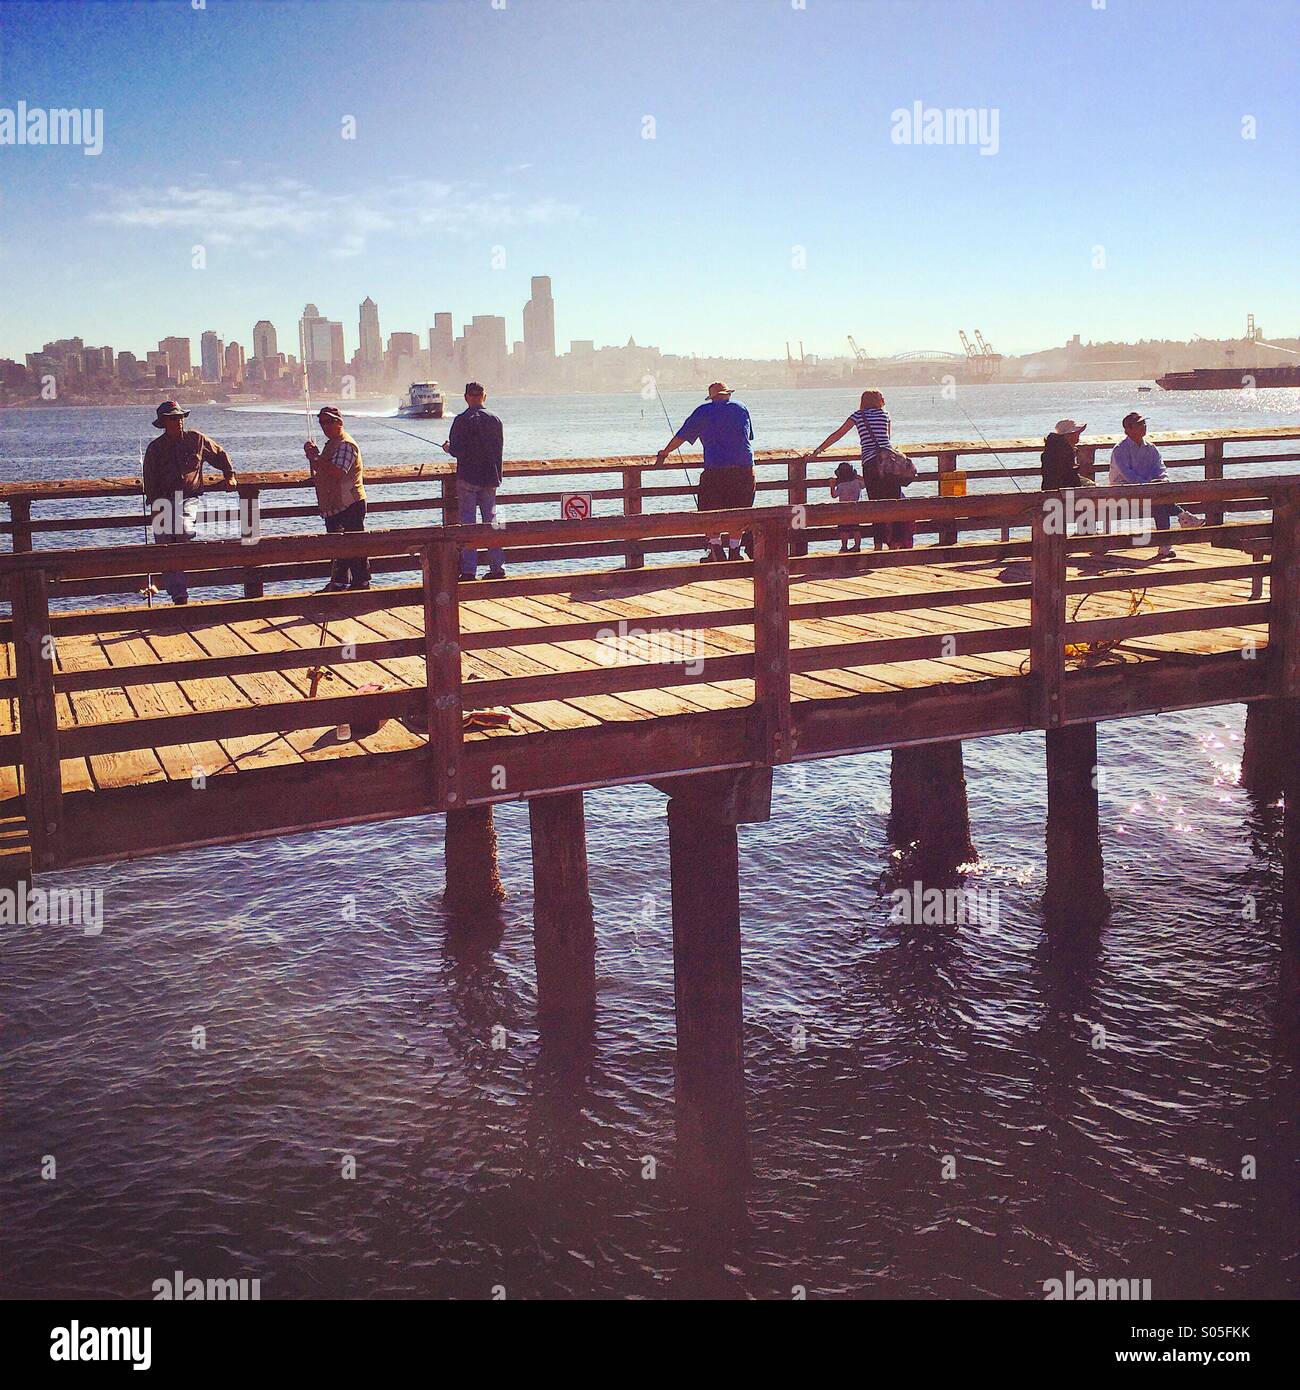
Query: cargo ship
x,y
1230,378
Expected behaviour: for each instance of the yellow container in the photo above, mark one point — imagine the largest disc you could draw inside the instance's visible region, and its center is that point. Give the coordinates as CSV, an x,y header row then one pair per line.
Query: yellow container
x,y
952,484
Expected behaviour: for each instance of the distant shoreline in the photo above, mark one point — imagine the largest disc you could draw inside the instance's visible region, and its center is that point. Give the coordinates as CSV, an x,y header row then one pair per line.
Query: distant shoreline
x,y
290,404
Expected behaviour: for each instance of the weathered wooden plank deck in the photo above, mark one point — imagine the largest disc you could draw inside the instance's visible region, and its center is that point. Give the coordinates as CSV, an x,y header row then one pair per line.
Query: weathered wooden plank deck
x,y
714,591
612,675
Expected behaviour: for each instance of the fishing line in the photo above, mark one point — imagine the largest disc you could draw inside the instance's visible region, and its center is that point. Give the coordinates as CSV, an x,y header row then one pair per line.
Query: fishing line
x,y
672,434
991,449
370,419
383,424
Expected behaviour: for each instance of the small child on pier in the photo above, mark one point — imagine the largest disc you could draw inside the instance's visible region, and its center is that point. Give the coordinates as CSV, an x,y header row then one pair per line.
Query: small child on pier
x,y
847,487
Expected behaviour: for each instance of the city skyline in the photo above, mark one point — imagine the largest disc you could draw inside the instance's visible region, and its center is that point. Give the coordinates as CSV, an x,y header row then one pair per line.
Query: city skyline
x,y
720,235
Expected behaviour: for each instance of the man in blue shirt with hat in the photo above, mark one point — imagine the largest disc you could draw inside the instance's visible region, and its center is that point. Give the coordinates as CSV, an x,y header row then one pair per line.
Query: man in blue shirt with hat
x,y
727,481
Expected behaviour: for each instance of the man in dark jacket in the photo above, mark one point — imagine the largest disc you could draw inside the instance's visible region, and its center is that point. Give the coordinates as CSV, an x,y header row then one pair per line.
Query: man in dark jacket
x,y
173,484
476,443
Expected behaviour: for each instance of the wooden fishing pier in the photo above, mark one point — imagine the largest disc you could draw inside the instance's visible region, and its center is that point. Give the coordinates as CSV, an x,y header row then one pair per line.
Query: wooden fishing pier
x,y
129,730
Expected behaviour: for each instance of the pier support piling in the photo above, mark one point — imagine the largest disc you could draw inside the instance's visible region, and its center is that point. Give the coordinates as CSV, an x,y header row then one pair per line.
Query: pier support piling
x,y
712,1140
473,881
703,813
1076,891
564,933
1288,731
929,814
1264,748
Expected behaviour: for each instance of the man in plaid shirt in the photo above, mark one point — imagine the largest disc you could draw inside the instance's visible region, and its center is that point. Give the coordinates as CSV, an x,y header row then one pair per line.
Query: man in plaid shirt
x,y
338,474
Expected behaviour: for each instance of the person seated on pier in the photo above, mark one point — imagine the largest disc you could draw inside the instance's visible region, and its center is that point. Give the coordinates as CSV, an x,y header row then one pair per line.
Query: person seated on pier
x,y
727,480
1060,457
1133,461
339,475
173,484
875,431
476,442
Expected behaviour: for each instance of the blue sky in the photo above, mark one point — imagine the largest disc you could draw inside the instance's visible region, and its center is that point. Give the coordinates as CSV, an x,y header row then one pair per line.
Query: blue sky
x,y
521,128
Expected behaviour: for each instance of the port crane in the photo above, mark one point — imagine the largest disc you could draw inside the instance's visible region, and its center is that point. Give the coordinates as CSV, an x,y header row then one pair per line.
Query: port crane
x,y
859,353
1255,334
980,354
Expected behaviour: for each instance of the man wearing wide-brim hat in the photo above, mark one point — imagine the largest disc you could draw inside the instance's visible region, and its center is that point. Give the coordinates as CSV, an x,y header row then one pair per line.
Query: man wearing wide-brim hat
x,y
173,484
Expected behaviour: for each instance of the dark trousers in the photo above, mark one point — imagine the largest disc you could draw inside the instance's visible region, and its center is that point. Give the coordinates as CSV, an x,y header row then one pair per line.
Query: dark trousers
x,y
897,534
354,573
726,489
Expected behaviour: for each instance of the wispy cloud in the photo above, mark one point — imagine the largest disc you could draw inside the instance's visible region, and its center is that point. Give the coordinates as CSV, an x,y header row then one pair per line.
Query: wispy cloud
x,y
264,215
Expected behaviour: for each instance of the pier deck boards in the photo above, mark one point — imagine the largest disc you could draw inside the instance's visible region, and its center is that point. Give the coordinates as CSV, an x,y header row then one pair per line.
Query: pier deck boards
x,y
108,715
713,591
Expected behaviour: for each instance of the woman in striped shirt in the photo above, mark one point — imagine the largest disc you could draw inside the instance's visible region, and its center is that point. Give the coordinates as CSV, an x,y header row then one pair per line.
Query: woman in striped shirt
x,y
872,422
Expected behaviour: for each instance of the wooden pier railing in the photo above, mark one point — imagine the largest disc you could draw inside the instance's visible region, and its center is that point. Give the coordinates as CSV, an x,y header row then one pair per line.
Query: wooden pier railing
x,y
750,641
41,511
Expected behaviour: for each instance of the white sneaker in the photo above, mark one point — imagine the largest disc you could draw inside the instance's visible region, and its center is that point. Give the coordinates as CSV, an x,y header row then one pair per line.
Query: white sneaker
x,y
1166,552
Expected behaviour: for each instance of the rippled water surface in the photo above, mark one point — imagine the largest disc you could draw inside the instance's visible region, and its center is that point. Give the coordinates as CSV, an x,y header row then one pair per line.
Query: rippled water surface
x,y
345,1016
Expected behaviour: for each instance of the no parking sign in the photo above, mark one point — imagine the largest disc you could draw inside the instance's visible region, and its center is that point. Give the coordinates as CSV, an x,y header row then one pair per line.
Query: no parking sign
x,y
575,506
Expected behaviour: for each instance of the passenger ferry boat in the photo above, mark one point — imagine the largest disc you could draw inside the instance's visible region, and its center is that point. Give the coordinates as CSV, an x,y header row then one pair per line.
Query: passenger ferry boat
x,y
424,401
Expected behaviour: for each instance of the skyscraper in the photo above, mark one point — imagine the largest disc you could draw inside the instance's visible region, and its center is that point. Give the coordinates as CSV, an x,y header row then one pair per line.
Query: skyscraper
x,y
264,344
539,326
338,353
485,349
442,338
233,364
177,351
321,342
211,350
372,343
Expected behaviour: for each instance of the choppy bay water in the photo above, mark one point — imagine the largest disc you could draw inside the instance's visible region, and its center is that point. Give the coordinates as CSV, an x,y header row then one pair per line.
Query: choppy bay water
x,y
346,1016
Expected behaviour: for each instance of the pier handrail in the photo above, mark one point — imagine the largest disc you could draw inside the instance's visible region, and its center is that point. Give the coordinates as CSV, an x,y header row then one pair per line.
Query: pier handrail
x,y
435,467
978,510
634,474
39,744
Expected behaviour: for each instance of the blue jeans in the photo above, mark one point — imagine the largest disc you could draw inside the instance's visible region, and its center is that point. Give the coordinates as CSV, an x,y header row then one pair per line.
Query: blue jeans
x,y
472,502
173,523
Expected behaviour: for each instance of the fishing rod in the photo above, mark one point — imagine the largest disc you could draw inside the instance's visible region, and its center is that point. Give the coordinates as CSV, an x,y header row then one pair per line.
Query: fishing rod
x,y
148,530
306,393
673,435
383,424
991,449
419,472
318,673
